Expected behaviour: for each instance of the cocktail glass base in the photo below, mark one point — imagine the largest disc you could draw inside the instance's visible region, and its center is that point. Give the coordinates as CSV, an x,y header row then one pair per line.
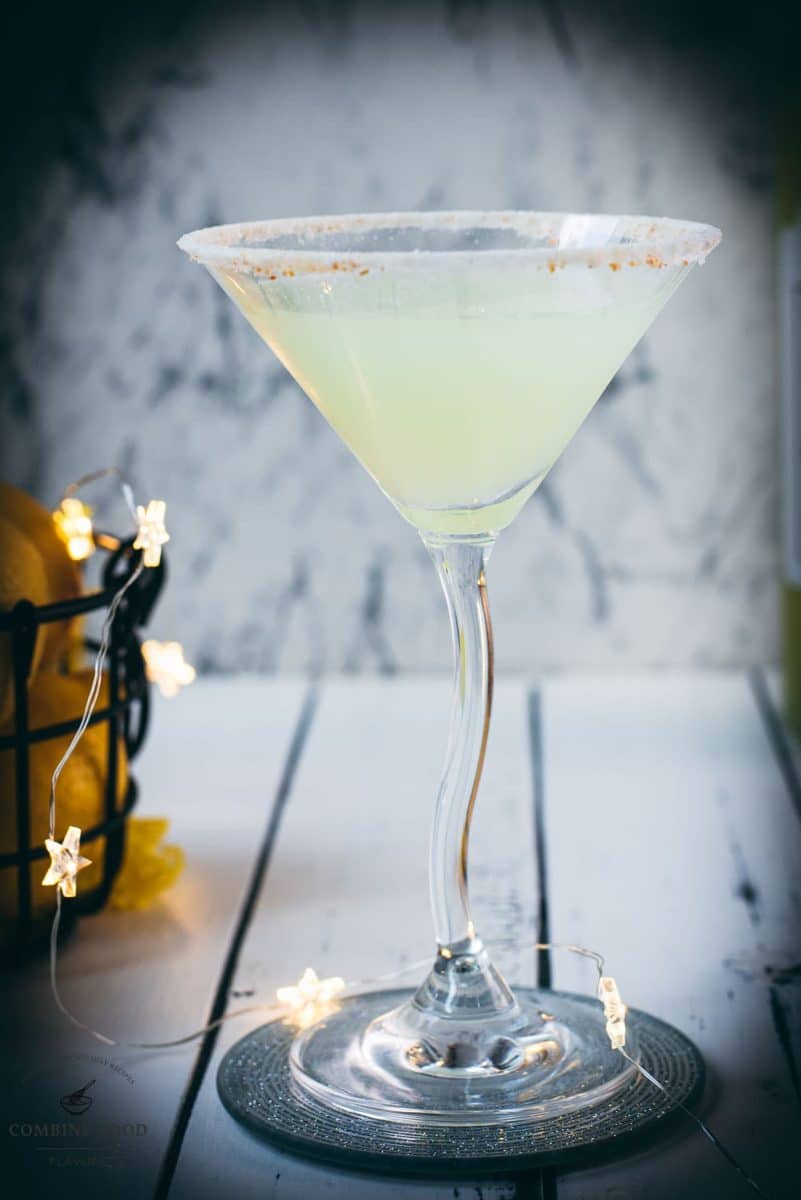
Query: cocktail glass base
x,y
343,1091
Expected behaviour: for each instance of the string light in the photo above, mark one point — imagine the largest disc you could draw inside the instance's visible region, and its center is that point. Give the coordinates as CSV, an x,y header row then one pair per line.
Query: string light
x,y
166,666
73,522
151,531
65,862
614,1011
310,999
151,536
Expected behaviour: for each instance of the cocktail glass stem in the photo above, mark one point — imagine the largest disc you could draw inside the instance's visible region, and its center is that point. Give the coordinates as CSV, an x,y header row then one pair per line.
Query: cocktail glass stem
x,y
462,976
461,569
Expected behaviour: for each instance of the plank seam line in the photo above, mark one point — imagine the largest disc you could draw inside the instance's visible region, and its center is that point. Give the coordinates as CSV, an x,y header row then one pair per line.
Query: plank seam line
x,y
534,1184
547,1182
219,1004
544,972
776,735
550,1184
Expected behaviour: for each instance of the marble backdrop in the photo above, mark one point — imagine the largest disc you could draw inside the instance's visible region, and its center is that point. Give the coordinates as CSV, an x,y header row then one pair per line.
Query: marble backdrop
x,y
652,542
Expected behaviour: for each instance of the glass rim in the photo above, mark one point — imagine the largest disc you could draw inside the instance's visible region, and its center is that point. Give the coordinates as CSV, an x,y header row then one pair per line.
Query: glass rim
x,y
651,241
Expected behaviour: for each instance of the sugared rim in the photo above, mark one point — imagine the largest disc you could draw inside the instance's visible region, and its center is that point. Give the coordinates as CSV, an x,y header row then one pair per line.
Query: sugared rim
x,y
654,241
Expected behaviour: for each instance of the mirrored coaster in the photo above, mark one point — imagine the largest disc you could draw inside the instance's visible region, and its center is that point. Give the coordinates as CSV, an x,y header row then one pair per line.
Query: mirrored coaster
x,y
606,1105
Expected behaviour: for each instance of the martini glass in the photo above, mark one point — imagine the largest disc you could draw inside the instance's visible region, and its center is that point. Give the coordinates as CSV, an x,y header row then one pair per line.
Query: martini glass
x,y
456,354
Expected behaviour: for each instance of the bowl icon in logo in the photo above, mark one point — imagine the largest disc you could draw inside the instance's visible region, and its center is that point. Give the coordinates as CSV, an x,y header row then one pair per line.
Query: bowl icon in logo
x,y
77,1102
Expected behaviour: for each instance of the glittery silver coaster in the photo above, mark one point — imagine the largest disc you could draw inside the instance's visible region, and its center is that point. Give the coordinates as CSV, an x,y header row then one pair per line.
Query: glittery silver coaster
x,y
256,1087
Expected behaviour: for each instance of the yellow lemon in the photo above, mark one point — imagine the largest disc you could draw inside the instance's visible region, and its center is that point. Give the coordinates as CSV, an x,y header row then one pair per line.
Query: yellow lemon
x,y
35,522
22,577
149,866
80,797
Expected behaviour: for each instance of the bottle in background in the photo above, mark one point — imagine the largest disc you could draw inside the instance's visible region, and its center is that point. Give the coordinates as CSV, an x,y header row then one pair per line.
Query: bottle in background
x,y
789,341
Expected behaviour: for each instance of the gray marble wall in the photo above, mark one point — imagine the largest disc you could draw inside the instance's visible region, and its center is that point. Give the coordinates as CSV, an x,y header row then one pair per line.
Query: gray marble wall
x,y
652,542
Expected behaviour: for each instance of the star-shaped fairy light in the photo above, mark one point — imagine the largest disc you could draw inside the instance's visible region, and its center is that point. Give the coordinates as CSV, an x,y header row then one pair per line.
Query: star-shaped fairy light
x,y
73,521
166,666
151,532
614,1011
310,998
65,862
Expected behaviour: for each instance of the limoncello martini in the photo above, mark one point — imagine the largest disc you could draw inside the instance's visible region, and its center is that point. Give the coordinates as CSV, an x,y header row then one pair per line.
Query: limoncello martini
x,y
456,354
457,391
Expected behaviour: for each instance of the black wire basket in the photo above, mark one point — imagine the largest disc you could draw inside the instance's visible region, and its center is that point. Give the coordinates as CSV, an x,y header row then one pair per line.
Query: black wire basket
x,y
125,715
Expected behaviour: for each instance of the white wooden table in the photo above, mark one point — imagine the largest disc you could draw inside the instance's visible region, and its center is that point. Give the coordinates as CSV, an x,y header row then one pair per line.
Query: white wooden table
x,y
656,818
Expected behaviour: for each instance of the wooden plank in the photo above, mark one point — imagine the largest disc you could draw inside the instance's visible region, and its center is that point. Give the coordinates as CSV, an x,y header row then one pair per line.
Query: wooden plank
x,y
212,764
673,848
347,894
